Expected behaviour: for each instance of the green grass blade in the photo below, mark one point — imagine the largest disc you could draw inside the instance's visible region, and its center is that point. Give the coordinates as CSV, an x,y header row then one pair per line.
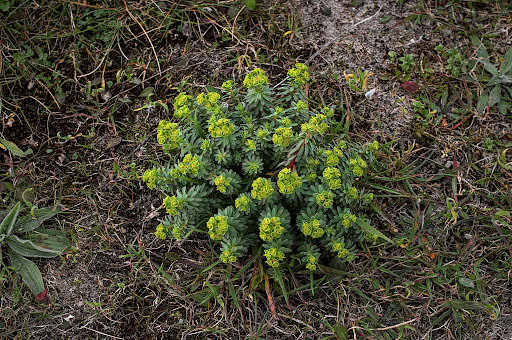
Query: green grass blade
x,y
362,223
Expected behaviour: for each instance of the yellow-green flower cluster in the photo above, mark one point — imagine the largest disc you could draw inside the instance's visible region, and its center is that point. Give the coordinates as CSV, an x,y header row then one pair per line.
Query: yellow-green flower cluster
x,y
312,162
357,166
270,228
325,198
311,177
316,124
299,73
368,198
273,256
160,232
348,219
261,188
312,228
169,134
311,262
189,164
181,103
243,203
283,136
373,146
301,106
228,85
175,173
217,227
328,111
255,78
178,231
333,177
286,122
149,177
279,110
222,183
288,181
209,101
172,205
339,247
262,133
228,256
206,145
371,237
351,193
221,127
251,145
333,156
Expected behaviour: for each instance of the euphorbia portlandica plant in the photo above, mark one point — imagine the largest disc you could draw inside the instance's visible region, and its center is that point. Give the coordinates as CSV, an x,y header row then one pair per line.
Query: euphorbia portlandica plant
x,y
258,167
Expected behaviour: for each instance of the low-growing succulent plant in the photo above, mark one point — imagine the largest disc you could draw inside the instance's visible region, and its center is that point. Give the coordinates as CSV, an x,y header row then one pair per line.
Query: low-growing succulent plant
x,y
24,238
258,167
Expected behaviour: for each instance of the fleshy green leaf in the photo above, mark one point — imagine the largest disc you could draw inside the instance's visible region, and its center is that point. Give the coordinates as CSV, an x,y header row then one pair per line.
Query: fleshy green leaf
x,y
31,222
28,271
362,223
29,249
7,224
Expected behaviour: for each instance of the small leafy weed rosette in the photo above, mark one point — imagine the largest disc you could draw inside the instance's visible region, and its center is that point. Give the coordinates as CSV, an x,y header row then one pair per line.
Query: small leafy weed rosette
x,y
258,168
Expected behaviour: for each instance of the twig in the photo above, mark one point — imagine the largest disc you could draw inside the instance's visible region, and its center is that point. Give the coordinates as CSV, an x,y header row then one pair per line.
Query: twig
x,y
104,334
385,328
369,18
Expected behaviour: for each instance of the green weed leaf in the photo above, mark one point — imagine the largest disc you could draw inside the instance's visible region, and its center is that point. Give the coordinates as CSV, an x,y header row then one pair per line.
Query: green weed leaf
x,y
482,103
7,224
466,282
491,68
28,271
481,50
340,332
507,62
29,249
28,197
251,4
495,96
14,148
49,239
33,221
